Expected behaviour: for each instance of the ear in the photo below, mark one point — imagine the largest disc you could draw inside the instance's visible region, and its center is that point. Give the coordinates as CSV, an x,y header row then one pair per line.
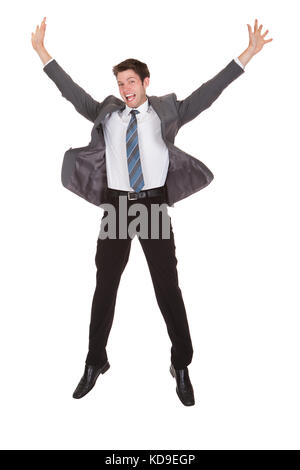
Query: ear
x,y
146,81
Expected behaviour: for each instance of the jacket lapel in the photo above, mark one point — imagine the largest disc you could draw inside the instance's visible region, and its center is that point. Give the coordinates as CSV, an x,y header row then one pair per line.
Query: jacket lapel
x,y
109,107
158,108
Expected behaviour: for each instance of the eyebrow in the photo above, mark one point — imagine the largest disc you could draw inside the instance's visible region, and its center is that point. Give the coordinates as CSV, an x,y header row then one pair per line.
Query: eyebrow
x,y
127,79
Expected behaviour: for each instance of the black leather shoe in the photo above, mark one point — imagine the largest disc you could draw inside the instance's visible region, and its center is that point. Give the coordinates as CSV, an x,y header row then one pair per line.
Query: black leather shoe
x,y
184,387
88,380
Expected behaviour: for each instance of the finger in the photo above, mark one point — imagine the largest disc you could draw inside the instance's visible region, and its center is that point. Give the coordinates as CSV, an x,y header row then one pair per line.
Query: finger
x,y
263,35
260,28
255,25
268,40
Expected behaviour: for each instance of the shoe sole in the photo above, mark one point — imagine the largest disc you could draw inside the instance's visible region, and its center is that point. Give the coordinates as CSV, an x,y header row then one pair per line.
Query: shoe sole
x,y
185,404
101,371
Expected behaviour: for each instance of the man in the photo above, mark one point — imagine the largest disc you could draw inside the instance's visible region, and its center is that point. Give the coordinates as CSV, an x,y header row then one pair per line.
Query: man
x,y
132,165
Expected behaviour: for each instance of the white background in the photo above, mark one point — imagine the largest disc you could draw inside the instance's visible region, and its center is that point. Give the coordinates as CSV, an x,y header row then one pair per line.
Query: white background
x,y
237,241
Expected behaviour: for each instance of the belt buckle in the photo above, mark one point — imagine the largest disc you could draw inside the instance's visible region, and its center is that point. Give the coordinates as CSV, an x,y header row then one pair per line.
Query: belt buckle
x,y
129,194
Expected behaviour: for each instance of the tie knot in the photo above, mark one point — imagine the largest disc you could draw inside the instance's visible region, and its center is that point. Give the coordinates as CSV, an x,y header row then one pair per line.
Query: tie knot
x,y
134,111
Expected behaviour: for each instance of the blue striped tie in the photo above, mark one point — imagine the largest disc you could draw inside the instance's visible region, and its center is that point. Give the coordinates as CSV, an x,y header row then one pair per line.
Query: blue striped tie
x,y
133,154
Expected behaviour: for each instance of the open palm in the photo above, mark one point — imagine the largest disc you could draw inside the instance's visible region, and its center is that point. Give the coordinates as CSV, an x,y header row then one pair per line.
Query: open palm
x,y
256,39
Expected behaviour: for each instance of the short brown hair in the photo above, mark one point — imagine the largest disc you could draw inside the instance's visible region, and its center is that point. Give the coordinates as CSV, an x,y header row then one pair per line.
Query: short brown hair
x,y
140,68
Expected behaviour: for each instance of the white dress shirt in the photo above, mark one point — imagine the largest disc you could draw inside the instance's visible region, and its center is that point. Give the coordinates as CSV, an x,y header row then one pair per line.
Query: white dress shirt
x,y
154,154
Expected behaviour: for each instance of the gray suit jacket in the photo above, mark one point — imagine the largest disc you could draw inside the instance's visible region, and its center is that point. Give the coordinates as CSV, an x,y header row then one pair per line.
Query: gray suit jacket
x,y
84,169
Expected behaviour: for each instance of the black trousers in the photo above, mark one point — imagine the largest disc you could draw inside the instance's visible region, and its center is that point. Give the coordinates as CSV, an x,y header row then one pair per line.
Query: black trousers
x,y
111,258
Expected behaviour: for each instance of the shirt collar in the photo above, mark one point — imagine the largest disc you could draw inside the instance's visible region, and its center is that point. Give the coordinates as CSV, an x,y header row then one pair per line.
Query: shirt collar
x,y
143,108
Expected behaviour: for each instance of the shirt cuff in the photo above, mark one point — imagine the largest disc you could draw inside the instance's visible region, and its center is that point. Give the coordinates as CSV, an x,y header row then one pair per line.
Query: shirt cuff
x,y
47,62
239,63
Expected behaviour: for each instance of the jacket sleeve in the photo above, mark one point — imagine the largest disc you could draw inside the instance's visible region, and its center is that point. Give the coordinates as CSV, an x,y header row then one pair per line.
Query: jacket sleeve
x,y
81,100
207,93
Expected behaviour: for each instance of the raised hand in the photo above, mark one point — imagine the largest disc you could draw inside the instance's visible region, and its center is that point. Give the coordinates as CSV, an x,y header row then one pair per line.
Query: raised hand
x,y
256,39
37,38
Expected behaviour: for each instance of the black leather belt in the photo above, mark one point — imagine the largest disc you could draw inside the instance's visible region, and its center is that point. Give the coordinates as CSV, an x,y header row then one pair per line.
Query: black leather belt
x,y
131,195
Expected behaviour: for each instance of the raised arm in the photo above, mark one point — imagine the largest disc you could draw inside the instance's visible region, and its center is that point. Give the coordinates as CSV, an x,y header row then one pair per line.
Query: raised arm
x,y
207,93
81,100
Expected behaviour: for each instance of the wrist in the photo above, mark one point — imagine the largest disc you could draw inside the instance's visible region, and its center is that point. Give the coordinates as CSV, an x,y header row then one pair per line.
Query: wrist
x,y
251,51
246,55
43,54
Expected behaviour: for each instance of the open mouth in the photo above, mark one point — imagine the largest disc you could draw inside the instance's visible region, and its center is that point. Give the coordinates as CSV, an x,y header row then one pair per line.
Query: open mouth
x,y
130,97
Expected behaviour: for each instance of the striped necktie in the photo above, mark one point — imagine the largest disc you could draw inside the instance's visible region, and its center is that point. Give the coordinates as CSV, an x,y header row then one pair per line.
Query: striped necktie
x,y
133,154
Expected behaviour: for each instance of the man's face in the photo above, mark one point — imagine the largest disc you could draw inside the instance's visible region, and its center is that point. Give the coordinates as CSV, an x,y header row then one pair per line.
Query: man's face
x,y
130,83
